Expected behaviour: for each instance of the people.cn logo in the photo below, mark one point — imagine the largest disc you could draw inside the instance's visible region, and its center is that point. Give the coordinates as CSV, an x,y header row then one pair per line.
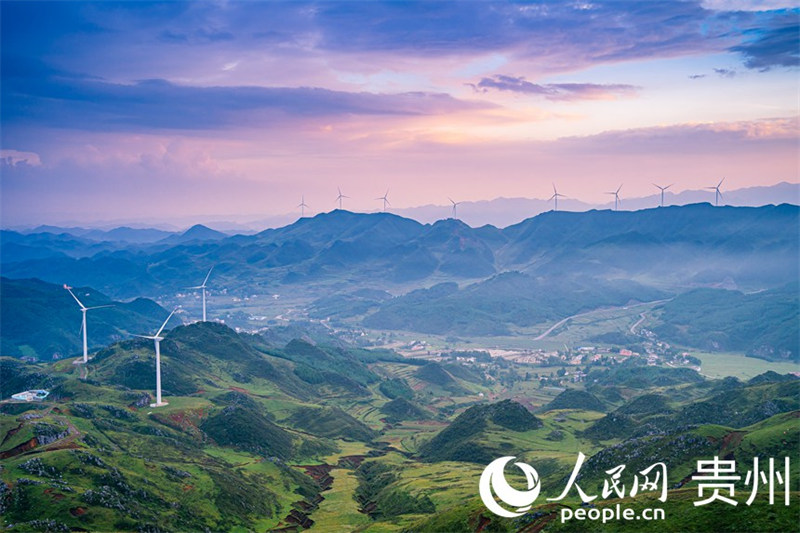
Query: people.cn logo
x,y
493,482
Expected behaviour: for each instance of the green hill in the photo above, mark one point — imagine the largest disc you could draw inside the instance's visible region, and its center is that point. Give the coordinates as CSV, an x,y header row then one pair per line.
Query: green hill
x,y
461,440
764,324
645,404
401,409
492,306
41,320
331,422
575,399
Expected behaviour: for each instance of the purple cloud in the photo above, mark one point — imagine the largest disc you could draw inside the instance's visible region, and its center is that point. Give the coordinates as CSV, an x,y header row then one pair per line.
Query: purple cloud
x,y
48,97
774,45
556,91
725,72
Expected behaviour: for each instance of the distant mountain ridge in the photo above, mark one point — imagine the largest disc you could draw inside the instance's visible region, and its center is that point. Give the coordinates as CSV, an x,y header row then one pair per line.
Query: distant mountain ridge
x,y
499,212
695,245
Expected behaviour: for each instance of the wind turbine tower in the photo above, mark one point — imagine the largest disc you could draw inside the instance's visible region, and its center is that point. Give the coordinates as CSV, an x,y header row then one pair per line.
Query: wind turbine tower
x,y
717,194
339,198
385,199
302,205
84,309
157,339
662,191
616,197
203,288
455,205
555,197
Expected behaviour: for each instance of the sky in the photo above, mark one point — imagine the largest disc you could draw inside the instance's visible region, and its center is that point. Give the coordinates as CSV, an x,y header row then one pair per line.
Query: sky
x,y
158,111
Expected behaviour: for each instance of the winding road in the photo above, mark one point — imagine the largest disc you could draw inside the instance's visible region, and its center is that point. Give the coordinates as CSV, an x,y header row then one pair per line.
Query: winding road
x,y
560,322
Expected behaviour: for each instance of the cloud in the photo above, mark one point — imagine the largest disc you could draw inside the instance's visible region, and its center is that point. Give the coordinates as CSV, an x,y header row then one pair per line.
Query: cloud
x,y
725,72
711,138
775,45
556,91
696,76
14,158
49,97
179,38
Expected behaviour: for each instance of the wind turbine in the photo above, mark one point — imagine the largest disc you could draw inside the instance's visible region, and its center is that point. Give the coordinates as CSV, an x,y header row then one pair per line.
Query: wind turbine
x,y
203,288
662,191
555,197
302,205
158,340
455,205
339,198
616,197
84,309
717,194
385,199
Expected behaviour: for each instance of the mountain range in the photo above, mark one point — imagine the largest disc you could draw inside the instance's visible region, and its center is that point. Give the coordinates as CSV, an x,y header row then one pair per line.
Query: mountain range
x,y
668,247
387,272
499,212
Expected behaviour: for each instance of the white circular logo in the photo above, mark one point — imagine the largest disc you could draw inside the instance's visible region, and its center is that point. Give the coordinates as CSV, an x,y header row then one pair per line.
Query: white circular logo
x,y
493,481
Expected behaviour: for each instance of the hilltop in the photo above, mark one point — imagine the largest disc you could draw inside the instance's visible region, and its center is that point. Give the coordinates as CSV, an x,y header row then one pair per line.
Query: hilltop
x,y
41,320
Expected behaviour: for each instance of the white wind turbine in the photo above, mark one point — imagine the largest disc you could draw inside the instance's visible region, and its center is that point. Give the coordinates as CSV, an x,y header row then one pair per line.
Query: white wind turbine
x,y
158,340
662,191
84,309
385,199
340,197
616,197
203,288
455,205
302,205
555,197
717,194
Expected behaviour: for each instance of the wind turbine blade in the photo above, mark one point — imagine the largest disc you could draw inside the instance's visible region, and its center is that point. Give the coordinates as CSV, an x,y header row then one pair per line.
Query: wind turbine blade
x,y
209,273
668,186
618,188
80,331
554,196
195,287
554,188
99,307
144,336
165,322
720,182
76,298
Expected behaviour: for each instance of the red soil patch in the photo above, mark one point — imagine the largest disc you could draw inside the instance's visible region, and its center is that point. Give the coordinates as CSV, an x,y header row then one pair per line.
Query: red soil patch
x,y
55,495
77,511
22,448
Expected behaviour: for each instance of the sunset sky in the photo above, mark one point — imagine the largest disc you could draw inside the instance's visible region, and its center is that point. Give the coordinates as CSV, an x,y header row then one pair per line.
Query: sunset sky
x,y
125,111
